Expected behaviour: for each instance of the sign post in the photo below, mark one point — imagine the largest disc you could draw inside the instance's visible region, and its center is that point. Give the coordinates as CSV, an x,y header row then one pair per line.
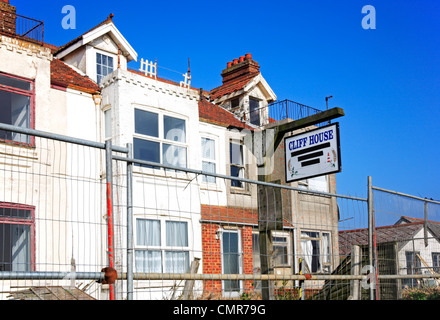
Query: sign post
x,y
312,153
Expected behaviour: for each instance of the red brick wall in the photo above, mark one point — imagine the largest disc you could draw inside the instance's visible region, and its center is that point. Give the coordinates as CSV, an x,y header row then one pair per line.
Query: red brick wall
x,y
212,261
7,17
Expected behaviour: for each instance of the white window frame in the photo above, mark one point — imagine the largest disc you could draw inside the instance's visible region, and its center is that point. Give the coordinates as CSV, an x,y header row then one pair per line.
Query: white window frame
x,y
214,161
257,111
161,139
104,53
286,235
324,266
242,167
163,246
221,231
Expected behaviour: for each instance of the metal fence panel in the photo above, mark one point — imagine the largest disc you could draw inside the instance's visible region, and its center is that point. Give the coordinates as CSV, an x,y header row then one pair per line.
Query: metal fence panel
x,y
70,207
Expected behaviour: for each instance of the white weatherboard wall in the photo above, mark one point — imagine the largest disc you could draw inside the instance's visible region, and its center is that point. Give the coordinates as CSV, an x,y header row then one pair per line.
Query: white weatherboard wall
x,y
418,245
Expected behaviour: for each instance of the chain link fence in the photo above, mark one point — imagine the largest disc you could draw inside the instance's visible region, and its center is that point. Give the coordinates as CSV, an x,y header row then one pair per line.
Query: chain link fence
x,y
72,211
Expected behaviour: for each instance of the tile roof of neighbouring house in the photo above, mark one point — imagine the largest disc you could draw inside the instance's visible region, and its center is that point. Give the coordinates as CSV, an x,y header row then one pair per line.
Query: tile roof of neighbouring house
x,y
64,76
211,113
434,226
232,86
400,232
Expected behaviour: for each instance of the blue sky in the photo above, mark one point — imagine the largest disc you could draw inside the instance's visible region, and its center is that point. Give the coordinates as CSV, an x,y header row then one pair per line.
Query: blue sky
x,y
387,80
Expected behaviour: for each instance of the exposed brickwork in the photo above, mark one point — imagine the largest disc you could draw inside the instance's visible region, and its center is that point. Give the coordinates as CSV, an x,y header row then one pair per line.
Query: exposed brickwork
x,y
238,73
8,17
229,214
212,260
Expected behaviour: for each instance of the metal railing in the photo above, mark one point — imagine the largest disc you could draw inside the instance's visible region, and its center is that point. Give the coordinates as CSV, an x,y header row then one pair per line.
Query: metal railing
x,y
22,27
287,109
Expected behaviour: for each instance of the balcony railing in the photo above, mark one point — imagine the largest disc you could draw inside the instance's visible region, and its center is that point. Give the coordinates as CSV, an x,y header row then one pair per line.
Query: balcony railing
x,y
280,110
287,109
19,26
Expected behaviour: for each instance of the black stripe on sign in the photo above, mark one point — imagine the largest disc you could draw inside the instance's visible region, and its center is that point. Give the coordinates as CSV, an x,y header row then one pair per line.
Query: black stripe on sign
x,y
310,162
310,156
311,149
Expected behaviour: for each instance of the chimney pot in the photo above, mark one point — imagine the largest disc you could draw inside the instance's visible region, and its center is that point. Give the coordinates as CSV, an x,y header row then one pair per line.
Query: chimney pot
x,y
235,61
229,64
241,59
248,56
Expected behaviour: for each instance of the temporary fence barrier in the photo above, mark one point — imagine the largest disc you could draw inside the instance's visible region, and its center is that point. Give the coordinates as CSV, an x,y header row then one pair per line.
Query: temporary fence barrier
x,y
72,211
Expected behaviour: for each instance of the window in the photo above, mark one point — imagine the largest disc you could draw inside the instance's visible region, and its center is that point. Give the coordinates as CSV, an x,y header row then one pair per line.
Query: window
x,y
104,66
231,264
436,261
235,103
281,249
254,111
161,246
16,107
108,124
208,159
160,138
316,253
16,234
316,184
236,160
413,266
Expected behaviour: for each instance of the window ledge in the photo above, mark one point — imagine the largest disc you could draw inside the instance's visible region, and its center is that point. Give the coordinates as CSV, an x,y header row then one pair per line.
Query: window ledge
x,y
242,191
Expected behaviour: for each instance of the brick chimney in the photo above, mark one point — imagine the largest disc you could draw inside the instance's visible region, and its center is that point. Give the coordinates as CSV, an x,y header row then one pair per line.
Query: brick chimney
x,y
8,17
239,68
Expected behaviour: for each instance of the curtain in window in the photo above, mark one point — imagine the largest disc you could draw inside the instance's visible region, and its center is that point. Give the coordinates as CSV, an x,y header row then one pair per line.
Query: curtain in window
x,y
148,261
326,247
147,232
208,149
176,261
307,251
176,234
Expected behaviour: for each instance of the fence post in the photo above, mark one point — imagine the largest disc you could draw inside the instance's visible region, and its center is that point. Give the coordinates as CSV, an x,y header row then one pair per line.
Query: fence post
x,y
355,270
130,223
371,242
109,188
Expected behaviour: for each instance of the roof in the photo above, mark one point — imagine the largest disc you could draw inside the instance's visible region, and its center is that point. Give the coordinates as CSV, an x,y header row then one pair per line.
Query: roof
x,y
232,86
106,21
64,76
105,27
140,73
211,113
385,234
434,226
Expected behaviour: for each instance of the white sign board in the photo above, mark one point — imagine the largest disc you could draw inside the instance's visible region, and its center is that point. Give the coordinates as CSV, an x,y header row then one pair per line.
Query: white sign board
x,y
313,153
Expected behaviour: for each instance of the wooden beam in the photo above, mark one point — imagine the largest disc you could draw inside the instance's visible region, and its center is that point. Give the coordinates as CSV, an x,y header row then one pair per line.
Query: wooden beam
x,y
292,125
